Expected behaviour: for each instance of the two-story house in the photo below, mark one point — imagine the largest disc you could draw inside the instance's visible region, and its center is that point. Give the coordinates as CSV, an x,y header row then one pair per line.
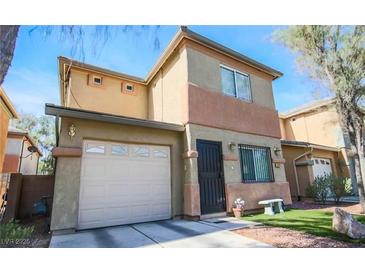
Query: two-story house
x,y
198,132
314,144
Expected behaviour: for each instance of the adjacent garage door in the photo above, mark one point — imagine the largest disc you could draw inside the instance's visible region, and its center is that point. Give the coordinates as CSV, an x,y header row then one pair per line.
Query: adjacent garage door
x,y
123,183
321,167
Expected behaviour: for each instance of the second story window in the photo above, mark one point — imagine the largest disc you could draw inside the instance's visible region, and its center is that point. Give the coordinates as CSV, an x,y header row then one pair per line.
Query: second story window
x,y
235,83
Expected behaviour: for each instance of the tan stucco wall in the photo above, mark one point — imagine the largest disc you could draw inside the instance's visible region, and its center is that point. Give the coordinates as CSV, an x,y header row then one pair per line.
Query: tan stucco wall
x,y
67,181
4,123
108,97
204,71
167,90
305,173
318,127
231,164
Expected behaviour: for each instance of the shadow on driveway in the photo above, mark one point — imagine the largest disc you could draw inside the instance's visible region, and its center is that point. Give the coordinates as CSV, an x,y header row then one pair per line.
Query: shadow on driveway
x,y
170,233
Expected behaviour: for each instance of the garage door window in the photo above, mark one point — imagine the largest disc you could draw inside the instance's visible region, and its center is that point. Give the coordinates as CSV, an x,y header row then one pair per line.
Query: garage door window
x,y
92,148
119,150
141,152
159,153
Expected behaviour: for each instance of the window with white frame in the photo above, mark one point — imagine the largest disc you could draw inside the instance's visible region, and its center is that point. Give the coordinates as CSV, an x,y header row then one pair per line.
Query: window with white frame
x,y
235,83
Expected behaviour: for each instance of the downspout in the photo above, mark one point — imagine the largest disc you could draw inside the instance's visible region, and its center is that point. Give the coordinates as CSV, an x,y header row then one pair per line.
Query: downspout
x,y
296,173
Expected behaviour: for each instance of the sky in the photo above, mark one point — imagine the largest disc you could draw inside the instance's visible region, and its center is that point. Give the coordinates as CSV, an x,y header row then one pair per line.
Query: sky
x,y
32,79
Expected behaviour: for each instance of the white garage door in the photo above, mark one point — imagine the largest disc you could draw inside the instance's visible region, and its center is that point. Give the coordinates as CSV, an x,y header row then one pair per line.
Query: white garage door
x,y
321,166
123,183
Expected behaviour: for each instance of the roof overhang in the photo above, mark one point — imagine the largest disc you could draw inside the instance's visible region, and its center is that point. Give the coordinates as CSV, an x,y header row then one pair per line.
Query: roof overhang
x,y
6,104
307,108
309,145
60,111
25,136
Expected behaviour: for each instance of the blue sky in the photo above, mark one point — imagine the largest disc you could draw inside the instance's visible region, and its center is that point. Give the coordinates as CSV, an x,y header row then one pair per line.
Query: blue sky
x,y
32,79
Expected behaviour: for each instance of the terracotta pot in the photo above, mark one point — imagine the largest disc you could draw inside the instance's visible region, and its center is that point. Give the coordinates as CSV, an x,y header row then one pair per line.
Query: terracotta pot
x,y
238,212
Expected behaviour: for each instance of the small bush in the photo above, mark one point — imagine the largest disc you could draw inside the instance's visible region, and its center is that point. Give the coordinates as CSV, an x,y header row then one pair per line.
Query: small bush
x,y
340,187
319,190
12,232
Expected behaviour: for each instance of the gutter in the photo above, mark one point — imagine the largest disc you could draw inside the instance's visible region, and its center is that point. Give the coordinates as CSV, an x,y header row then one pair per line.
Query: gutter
x,y
60,111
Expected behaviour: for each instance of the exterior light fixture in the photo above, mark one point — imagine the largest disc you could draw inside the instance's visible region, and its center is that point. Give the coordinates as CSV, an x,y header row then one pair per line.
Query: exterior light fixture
x,y
232,146
277,150
72,130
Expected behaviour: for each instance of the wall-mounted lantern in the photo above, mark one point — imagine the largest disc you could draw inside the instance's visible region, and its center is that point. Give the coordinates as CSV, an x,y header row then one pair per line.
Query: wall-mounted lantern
x,y
277,150
232,146
72,130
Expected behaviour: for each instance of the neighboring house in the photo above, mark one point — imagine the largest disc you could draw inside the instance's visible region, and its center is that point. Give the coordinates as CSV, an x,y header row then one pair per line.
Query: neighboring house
x,y
7,112
198,132
313,144
22,154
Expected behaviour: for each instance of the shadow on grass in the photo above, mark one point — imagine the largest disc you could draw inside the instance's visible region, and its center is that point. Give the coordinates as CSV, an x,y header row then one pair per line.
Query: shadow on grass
x,y
315,222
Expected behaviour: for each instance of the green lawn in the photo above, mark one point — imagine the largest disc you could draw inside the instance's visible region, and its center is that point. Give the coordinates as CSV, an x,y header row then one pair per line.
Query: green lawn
x,y
314,222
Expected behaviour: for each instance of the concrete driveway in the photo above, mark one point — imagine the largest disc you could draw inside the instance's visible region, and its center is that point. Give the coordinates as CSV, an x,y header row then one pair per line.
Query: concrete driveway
x,y
170,233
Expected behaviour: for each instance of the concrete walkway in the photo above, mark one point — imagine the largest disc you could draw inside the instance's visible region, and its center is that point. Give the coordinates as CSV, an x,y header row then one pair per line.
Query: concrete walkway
x,y
170,233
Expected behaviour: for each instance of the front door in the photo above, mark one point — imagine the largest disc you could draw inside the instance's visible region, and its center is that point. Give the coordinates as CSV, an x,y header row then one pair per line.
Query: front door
x,y
211,179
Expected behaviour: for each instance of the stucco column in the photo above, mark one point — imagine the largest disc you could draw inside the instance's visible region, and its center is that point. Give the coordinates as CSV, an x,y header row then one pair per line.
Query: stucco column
x,y
191,183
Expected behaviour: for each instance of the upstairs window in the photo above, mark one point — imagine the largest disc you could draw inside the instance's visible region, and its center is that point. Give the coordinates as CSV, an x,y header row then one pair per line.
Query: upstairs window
x,y
235,83
256,164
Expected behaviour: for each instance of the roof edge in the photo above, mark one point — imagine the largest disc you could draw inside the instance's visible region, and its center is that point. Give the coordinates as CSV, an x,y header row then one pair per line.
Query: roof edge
x,y
51,109
308,144
8,104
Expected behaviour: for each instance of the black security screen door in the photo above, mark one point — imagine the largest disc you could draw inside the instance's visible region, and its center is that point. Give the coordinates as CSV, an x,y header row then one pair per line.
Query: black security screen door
x,y
211,180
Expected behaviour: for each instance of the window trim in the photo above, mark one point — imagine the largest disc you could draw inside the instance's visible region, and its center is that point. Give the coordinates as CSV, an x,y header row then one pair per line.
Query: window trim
x,y
235,71
271,170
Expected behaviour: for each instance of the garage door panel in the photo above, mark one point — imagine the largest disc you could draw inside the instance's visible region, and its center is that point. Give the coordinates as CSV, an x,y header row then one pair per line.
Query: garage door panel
x,y
94,169
132,185
91,215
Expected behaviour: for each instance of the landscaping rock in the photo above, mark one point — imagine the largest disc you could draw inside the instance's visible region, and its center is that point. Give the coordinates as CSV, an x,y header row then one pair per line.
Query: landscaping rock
x,y
344,223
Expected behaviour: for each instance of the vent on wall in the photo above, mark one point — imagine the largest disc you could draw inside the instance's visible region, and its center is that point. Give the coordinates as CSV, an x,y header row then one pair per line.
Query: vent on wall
x,y
127,88
95,80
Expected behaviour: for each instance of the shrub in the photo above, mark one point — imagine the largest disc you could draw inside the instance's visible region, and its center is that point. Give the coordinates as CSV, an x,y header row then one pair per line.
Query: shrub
x,y
319,189
340,187
13,232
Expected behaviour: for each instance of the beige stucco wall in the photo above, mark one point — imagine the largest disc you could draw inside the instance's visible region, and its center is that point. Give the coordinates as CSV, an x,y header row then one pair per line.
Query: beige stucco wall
x,y
29,164
319,127
67,181
167,90
204,71
231,164
305,173
108,97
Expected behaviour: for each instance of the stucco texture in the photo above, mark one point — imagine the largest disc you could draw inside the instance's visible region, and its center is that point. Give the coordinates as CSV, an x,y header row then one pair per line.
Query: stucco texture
x,y
82,94
232,170
67,181
4,123
305,173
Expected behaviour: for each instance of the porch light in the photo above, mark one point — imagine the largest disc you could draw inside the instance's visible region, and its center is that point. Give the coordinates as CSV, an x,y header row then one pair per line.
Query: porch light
x,y
232,146
72,130
277,150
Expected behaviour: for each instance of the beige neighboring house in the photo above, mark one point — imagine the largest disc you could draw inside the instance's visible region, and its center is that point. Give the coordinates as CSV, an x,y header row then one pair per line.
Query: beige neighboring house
x,y
199,131
22,154
7,112
314,144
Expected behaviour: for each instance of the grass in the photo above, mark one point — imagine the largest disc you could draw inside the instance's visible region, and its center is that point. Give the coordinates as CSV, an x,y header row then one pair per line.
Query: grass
x,y
315,222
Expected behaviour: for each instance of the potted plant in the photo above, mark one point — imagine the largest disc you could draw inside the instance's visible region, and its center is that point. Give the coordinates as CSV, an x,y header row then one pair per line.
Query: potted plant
x,y
238,207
